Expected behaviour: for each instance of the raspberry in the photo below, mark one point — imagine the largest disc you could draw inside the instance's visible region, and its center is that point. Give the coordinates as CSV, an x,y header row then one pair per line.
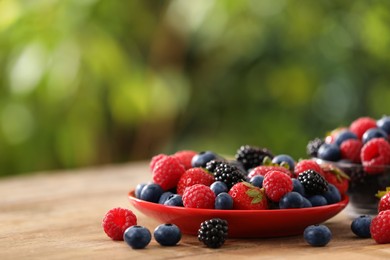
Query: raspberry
x,y
350,149
155,159
307,164
167,172
194,176
185,157
263,169
213,232
116,221
276,185
375,154
361,125
384,202
247,196
199,196
380,227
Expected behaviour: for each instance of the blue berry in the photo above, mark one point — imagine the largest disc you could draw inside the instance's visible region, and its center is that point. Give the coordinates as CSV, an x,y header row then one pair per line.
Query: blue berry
x,y
344,135
174,200
374,133
167,234
317,235
151,192
384,123
332,195
137,237
298,187
360,226
306,203
329,152
218,186
317,200
257,181
291,200
164,197
223,201
138,189
200,159
279,159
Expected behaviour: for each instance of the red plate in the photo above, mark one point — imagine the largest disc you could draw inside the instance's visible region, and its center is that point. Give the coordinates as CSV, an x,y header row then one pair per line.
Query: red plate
x,y
242,223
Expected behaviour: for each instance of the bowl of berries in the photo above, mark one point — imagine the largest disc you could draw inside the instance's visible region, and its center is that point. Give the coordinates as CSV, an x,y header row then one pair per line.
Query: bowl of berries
x,y
362,151
257,193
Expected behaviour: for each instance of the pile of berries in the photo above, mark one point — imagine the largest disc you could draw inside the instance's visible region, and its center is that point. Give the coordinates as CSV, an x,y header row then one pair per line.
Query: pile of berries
x,y
365,141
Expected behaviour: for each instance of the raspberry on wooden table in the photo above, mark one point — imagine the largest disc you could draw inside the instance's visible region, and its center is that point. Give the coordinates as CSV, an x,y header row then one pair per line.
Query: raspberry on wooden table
x,y
380,227
116,221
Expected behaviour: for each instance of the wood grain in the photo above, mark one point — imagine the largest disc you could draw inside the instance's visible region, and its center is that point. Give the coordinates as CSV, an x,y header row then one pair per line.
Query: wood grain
x,y
57,215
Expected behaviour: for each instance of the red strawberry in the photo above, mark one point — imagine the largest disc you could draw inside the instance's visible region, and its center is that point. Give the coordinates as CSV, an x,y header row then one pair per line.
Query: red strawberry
x,y
350,149
263,169
199,196
384,202
276,185
380,227
307,164
247,196
335,176
194,176
361,125
374,155
167,172
185,157
155,159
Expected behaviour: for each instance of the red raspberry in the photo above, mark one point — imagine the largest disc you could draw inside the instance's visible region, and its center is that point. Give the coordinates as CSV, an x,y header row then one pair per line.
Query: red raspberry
x,y
384,202
247,196
361,125
167,172
276,185
263,169
335,176
375,154
155,159
198,196
307,164
185,157
350,149
194,176
116,221
380,227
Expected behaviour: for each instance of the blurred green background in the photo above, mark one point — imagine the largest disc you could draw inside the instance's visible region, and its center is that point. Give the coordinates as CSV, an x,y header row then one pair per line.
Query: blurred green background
x,y
91,82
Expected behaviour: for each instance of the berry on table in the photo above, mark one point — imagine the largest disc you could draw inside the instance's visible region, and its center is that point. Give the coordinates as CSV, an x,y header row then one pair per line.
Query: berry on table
x,y
317,235
252,156
167,172
223,201
167,234
329,152
313,182
276,185
185,157
202,158
116,221
360,226
229,174
380,227
137,237
213,232
151,192
375,154
199,196
194,176
360,125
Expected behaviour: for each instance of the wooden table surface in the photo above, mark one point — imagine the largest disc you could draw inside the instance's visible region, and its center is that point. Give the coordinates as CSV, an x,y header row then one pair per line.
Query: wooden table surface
x,y
57,215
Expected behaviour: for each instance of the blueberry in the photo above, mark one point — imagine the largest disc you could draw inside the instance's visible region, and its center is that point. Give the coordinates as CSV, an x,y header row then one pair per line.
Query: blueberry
x,y
317,200
360,226
284,158
344,135
137,237
306,203
174,200
138,189
329,152
317,235
151,192
374,133
384,123
167,234
164,197
200,159
223,201
298,187
291,200
218,186
332,195
257,181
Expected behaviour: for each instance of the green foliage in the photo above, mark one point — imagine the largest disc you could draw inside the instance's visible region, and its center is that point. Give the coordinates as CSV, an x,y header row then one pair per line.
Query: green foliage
x,y
92,82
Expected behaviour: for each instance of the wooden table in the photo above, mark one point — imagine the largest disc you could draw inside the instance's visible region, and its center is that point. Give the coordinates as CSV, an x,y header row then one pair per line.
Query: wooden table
x,y
57,215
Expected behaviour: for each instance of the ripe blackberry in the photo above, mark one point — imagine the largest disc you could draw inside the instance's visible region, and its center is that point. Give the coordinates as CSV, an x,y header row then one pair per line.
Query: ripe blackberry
x,y
211,165
251,156
313,146
313,182
229,174
213,232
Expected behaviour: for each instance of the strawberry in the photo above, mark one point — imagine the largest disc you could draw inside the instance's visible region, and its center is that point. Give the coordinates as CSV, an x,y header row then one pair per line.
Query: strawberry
x,y
361,125
167,172
185,157
247,196
375,154
263,169
276,185
380,227
350,150
335,176
155,159
194,176
384,202
199,196
307,164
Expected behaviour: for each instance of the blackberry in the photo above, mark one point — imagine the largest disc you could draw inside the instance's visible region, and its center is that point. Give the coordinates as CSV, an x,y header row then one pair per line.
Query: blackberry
x,y
313,182
251,156
213,232
228,174
211,165
313,146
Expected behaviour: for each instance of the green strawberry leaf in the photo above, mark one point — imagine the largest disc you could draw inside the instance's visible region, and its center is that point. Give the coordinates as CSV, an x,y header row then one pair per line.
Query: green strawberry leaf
x,y
258,199
380,194
253,193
